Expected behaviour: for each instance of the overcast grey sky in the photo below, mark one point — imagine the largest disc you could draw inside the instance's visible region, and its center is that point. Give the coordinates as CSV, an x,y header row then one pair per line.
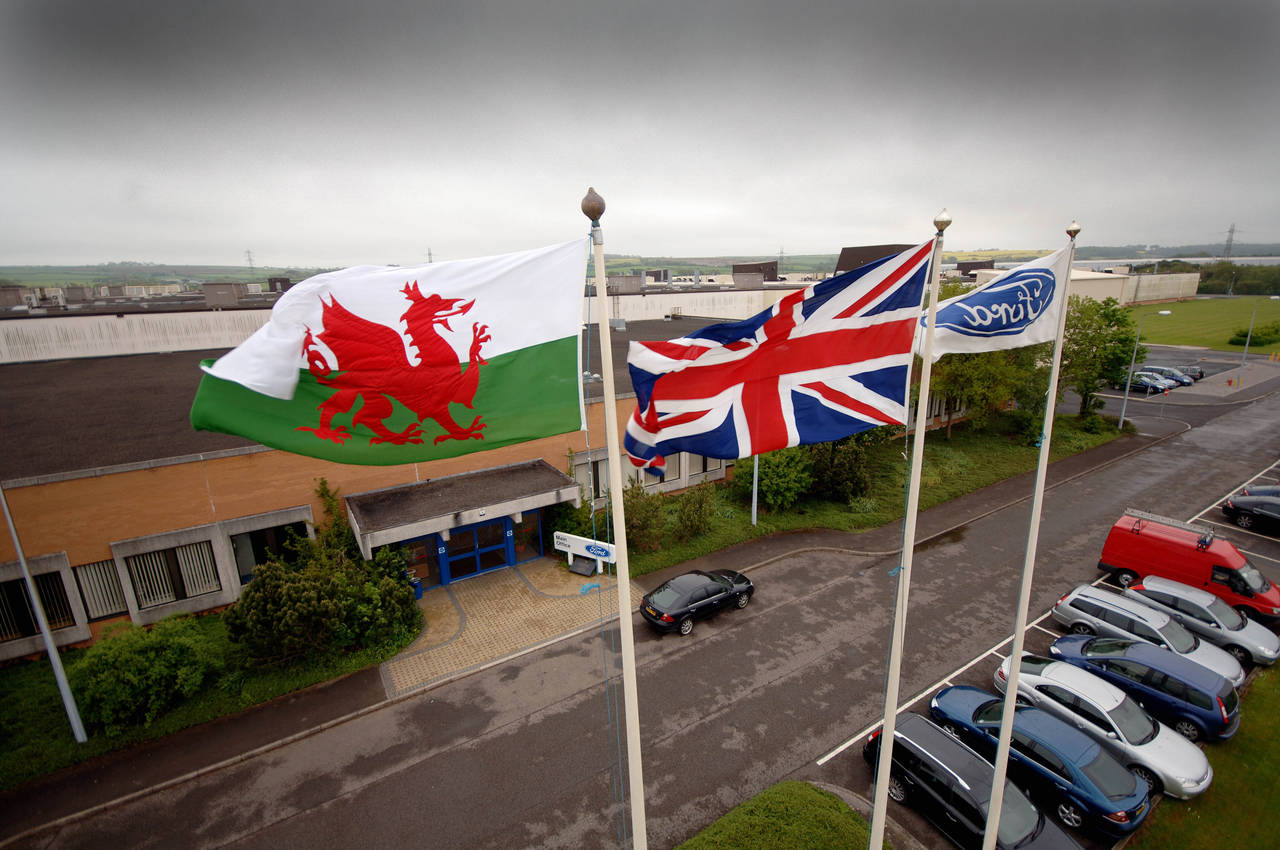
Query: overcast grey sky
x,y
336,133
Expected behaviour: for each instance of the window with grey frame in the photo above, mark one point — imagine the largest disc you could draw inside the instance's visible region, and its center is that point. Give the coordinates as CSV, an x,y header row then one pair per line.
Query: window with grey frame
x,y
168,575
100,589
17,615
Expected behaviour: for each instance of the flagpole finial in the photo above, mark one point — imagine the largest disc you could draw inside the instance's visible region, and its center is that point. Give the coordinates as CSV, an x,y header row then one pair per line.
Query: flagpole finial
x,y
592,205
942,220
1073,229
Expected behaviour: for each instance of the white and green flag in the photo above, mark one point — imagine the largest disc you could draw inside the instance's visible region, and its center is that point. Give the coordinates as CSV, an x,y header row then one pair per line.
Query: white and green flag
x,y
383,365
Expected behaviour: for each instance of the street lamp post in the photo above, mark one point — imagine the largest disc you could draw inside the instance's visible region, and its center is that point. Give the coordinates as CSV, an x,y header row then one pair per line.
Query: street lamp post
x,y
1247,340
1133,359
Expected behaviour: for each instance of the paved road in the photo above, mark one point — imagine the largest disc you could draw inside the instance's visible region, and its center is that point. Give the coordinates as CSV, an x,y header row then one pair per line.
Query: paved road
x,y
519,755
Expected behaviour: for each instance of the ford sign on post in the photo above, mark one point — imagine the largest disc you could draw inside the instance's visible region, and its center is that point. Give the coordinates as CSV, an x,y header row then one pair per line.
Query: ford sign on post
x,y
584,546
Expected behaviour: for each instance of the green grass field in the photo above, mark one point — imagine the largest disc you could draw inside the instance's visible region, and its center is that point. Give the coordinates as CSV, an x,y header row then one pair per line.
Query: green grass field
x,y
1207,322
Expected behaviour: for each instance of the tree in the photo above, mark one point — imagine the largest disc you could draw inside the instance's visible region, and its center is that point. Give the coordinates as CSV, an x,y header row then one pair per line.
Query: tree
x,y
323,596
785,476
1099,342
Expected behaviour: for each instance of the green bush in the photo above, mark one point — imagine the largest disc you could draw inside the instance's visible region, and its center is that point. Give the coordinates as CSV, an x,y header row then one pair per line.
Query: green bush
x,y
134,675
1262,335
785,476
646,516
840,470
325,597
694,511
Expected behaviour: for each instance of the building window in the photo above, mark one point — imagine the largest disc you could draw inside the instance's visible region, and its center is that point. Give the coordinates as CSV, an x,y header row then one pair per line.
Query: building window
x,y
709,464
100,588
18,618
264,544
600,478
168,575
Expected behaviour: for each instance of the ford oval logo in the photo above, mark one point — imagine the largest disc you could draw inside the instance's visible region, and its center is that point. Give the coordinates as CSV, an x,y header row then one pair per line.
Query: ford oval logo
x,y
596,550
1005,309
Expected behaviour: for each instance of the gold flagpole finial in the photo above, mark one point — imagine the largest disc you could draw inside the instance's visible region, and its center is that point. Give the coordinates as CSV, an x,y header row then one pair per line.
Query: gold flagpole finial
x,y
592,205
942,220
1073,229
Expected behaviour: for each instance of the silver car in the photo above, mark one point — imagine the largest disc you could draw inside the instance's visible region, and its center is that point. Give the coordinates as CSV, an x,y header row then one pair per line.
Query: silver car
x,y
1209,617
1089,610
1166,760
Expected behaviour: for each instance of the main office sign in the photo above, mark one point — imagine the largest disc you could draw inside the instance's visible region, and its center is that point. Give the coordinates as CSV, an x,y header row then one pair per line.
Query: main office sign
x,y
584,546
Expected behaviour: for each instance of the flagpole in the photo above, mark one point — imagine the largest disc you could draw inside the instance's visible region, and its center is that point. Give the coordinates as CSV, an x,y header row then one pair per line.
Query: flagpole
x,y
1028,565
881,799
593,208
55,660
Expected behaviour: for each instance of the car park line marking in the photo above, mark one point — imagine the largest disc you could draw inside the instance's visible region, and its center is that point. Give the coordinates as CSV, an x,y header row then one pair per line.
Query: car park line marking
x,y
849,742
1235,527
1046,631
1270,558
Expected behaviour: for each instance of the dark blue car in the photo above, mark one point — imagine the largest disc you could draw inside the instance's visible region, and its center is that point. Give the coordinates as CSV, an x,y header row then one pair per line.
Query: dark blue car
x,y
1191,698
1055,762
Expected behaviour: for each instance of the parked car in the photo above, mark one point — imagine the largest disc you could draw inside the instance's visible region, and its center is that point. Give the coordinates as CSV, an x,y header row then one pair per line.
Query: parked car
x,y
1193,372
1089,610
1261,490
1171,374
1254,512
1060,766
950,785
696,595
1144,544
1209,617
1195,702
1167,761
1160,381
1146,383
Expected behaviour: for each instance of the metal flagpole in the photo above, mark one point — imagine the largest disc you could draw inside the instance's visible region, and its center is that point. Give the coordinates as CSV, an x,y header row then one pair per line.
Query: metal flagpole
x,y
881,799
68,698
1028,567
593,208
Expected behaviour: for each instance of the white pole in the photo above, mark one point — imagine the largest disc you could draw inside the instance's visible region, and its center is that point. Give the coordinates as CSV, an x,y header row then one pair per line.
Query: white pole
x,y
593,208
755,485
880,802
68,698
1028,566
1248,339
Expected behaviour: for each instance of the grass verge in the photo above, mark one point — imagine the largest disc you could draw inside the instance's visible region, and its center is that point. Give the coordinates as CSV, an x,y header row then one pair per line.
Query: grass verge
x,y
952,467
35,737
786,816
1208,322
1246,770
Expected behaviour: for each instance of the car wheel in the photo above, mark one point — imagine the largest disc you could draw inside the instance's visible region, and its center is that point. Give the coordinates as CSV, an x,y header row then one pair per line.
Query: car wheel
x,y
897,789
686,625
1239,653
1244,520
1069,813
1187,729
1124,578
1081,629
742,600
1145,774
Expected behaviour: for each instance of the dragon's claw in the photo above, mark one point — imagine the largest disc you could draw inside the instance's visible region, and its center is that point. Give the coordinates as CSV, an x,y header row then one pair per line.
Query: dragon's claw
x,y
339,435
411,435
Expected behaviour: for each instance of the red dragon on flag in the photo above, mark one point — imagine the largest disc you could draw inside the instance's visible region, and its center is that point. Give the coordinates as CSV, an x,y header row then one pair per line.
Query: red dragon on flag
x,y
373,369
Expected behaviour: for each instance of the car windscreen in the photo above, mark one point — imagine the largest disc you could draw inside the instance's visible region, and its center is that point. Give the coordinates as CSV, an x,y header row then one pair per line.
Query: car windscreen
x,y
1104,647
1231,619
1178,638
667,596
1135,725
1110,776
722,581
1019,820
1253,578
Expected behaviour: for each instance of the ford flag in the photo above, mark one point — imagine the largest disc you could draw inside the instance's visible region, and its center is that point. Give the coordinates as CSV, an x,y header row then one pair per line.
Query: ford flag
x,y
1015,309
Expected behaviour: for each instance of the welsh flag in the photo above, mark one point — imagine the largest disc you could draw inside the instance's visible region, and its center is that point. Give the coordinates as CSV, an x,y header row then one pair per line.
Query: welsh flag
x,y
381,365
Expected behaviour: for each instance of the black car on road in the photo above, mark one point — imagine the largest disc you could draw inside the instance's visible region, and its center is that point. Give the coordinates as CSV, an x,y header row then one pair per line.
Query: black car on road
x,y
695,596
1254,512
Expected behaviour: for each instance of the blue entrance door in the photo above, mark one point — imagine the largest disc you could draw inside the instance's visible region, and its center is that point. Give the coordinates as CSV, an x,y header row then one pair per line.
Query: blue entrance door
x,y
476,549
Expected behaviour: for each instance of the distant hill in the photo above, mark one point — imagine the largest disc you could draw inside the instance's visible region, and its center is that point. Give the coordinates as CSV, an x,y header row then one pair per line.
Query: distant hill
x,y
792,264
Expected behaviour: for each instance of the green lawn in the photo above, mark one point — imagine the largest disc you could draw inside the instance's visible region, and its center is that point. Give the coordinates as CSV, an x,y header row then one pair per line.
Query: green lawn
x,y
1236,810
786,816
36,739
1207,322
968,461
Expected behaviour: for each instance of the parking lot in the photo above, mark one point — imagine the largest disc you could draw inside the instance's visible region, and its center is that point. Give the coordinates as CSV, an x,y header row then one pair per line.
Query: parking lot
x,y
1262,549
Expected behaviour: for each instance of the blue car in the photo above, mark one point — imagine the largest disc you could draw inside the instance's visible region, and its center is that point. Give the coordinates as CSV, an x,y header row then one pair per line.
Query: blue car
x,y
1194,700
1052,760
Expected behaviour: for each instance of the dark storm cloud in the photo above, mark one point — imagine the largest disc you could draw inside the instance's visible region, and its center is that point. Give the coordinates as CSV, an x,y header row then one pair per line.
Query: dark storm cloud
x,y
342,132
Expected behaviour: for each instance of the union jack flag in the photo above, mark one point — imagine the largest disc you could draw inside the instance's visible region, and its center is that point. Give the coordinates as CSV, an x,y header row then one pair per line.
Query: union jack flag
x,y
825,362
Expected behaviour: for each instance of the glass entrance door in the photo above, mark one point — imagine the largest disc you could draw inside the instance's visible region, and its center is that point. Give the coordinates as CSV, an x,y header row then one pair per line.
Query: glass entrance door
x,y
477,548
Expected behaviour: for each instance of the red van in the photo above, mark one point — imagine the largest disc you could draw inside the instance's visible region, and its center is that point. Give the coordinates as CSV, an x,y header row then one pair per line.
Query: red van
x,y
1143,544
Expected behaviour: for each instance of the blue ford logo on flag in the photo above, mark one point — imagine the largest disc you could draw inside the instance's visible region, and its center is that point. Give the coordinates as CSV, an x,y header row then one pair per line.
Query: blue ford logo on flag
x,y
1004,309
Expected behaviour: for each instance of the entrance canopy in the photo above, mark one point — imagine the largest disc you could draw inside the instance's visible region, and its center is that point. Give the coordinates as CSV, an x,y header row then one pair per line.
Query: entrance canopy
x,y
407,511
